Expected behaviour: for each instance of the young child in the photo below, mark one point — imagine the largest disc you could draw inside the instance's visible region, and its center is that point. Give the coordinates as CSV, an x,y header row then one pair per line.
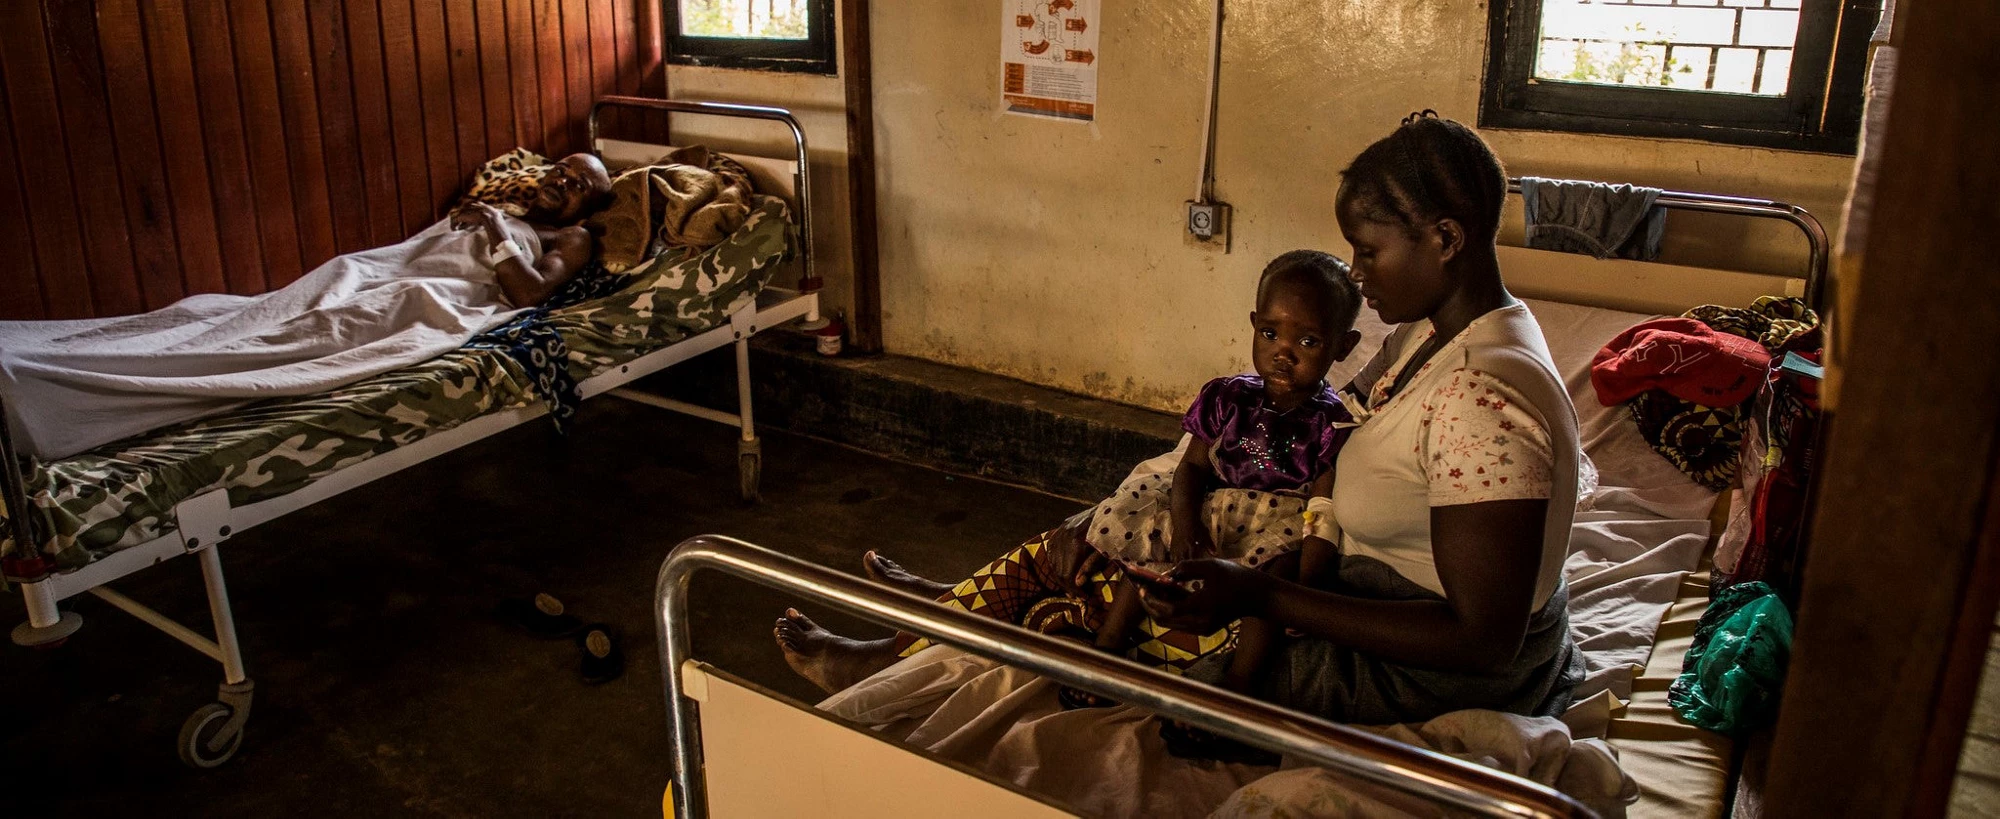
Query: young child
x,y
1259,447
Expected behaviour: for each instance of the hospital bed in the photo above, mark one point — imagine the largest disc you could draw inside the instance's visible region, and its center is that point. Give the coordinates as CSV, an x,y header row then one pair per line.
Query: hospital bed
x,y
184,490
1649,569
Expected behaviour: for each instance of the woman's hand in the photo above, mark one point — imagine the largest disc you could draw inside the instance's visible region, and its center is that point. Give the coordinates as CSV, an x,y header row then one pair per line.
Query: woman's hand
x,y
1209,595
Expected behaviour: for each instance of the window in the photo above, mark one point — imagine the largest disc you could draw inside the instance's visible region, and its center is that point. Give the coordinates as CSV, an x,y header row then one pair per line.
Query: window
x,y
772,35
1775,73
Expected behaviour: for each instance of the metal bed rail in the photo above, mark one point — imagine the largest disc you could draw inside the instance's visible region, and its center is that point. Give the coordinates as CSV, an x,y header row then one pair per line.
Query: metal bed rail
x,y
1462,785
802,179
1819,250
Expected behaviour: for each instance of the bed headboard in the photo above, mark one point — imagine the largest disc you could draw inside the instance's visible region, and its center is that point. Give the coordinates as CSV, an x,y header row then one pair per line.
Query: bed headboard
x,y
785,177
1651,287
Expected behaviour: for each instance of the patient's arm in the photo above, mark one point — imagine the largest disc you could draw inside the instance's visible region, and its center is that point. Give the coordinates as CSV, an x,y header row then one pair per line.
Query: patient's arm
x,y
528,282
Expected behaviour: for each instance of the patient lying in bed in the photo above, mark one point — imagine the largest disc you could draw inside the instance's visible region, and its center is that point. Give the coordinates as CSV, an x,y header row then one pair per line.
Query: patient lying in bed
x,y
75,385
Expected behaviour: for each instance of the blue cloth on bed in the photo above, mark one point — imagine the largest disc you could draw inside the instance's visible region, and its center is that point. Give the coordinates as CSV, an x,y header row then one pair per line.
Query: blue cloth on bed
x,y
534,343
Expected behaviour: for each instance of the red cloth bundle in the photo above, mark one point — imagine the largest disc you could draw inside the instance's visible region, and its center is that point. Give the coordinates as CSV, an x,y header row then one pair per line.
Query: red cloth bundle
x,y
1683,357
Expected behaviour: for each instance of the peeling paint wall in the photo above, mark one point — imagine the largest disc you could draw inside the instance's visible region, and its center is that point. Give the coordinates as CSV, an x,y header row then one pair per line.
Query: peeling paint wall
x,y
1053,251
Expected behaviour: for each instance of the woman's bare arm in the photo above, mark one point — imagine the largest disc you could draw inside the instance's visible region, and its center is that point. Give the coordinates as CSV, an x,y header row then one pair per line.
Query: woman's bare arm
x,y
1488,556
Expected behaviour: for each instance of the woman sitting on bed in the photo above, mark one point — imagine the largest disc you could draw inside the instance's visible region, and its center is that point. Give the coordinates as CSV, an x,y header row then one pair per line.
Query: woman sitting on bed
x,y
1457,490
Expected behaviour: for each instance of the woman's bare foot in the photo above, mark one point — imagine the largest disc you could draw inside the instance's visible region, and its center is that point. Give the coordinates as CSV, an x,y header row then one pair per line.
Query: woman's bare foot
x,y
829,660
889,573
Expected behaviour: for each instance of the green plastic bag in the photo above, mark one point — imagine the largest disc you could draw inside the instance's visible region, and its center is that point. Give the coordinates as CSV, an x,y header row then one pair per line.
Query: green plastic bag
x,y
1736,667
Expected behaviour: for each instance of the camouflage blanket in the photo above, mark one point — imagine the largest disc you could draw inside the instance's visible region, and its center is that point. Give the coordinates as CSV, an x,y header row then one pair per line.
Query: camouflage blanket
x,y
123,494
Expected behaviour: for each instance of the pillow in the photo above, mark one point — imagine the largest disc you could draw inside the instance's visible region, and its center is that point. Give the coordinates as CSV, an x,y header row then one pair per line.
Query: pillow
x,y
508,181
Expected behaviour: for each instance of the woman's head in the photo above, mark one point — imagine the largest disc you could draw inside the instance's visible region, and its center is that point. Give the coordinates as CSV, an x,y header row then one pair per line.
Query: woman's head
x,y
574,187
1417,206
1304,322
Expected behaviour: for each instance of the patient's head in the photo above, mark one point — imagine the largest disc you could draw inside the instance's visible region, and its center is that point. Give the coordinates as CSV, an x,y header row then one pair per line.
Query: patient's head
x,y
1304,322
574,187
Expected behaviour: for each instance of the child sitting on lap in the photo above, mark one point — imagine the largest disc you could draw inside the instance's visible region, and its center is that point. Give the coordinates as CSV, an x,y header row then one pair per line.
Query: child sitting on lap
x,y
1259,447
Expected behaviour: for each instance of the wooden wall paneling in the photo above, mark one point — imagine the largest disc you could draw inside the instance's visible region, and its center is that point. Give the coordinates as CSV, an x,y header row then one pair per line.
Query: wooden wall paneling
x,y
149,209
440,104
377,138
406,116
625,36
228,157
604,63
312,197
576,69
857,70
86,126
20,289
652,66
43,161
176,104
498,85
546,23
333,85
468,87
264,132
527,95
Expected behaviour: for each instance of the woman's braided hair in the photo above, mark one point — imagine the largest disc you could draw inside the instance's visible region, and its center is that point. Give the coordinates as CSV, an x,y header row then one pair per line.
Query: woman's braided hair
x,y
1429,168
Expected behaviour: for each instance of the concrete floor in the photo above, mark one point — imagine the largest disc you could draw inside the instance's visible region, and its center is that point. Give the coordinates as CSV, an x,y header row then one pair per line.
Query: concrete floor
x,y
385,687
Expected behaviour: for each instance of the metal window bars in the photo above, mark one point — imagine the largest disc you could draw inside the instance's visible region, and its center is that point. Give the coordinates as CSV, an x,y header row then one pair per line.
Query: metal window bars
x,y
1819,250
1462,785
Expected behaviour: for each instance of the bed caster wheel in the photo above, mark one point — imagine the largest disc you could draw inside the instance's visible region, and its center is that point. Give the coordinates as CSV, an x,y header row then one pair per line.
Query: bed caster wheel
x,y
209,737
749,468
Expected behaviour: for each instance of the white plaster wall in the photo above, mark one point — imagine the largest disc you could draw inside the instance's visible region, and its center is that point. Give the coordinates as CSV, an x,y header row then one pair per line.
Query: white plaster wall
x,y
1053,251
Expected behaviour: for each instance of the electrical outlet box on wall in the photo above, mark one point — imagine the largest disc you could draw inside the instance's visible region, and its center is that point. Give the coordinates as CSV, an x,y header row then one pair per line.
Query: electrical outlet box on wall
x,y
1207,224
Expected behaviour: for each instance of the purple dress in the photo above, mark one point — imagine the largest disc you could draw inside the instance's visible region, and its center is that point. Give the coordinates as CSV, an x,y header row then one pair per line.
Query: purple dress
x,y
1256,447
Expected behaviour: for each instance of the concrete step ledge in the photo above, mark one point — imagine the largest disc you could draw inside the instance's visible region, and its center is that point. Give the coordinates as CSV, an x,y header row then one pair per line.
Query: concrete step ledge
x,y
953,419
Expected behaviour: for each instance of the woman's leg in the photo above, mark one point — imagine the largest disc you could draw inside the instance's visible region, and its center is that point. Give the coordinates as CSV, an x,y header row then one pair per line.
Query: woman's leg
x,y
892,574
829,660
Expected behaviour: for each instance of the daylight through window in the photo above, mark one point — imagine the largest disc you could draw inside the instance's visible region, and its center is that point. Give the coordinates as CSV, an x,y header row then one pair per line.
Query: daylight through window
x,y
1737,46
761,19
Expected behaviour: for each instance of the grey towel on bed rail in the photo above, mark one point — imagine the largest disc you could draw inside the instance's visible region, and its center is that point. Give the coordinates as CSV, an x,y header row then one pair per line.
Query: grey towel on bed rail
x,y
1593,218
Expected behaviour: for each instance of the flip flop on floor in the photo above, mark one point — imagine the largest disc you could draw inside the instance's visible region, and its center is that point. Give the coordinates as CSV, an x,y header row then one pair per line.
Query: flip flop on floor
x,y
603,660
542,616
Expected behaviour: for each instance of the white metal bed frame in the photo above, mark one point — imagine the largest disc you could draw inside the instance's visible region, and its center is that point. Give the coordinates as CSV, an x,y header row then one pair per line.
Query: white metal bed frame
x,y
211,735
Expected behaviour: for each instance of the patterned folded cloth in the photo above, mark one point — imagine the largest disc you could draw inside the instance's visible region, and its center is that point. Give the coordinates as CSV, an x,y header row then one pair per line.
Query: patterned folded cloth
x,y
1703,441
692,198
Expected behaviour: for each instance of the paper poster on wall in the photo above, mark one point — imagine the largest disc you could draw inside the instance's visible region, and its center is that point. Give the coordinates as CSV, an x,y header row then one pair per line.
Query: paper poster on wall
x,y
1048,57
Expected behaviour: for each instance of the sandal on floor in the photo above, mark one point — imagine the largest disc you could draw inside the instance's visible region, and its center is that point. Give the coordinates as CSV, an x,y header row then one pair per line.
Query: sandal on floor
x,y
1076,699
603,661
542,616
1188,742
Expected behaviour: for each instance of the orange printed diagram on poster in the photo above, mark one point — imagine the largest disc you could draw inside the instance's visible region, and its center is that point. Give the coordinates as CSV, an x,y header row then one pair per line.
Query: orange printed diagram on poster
x,y
1048,58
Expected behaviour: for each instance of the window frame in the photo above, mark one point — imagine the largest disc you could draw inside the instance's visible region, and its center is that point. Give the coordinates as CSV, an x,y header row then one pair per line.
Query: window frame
x,y
817,54
1820,111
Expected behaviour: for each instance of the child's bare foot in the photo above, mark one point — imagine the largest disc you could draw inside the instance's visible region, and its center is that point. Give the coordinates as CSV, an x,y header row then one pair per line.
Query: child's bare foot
x,y
889,573
829,660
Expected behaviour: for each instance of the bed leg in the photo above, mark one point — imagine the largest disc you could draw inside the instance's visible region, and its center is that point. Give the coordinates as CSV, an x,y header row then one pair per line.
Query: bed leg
x,y
47,626
214,731
749,450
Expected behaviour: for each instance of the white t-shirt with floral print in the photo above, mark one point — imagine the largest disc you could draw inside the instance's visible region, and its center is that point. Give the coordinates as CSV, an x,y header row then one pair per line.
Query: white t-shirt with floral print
x,y
1453,435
